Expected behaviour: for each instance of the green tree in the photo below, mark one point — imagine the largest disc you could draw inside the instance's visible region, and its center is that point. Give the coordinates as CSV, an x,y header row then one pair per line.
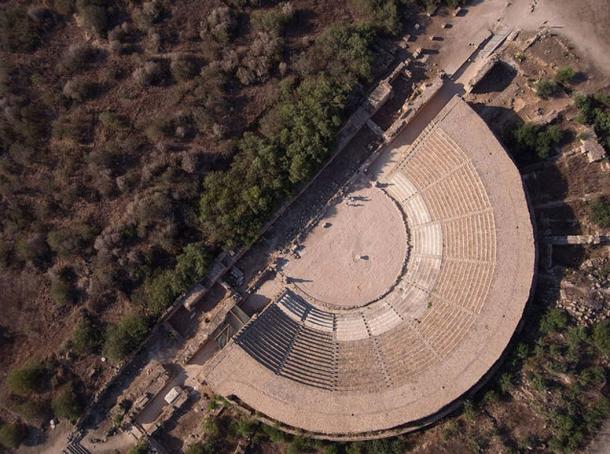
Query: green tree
x,y
595,111
140,448
201,448
66,404
545,88
72,240
62,287
94,16
601,336
539,140
343,53
191,266
124,337
555,319
11,435
600,212
211,428
18,32
275,434
88,336
381,14
295,137
565,75
159,292
27,379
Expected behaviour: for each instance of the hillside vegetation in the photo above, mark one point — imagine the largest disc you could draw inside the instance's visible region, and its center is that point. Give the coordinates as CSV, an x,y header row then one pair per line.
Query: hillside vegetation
x,y
137,139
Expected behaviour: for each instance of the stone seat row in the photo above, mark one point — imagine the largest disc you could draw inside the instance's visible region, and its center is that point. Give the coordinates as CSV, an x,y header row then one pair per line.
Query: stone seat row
x,y
432,160
288,348
450,284
384,356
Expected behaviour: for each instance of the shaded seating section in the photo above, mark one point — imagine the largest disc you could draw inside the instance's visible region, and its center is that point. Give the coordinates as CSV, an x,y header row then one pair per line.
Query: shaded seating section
x,y
298,309
289,348
312,359
269,338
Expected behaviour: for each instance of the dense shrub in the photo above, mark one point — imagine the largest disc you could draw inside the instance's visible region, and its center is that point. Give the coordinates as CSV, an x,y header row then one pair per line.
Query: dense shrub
x,y
75,239
381,14
184,68
296,136
62,287
555,319
140,448
220,25
149,14
27,379
534,139
66,404
33,250
65,7
545,88
201,448
80,89
384,446
88,336
600,212
6,251
256,65
565,75
151,73
112,121
343,53
27,124
273,20
78,58
125,336
74,126
601,337
18,32
595,111
33,410
11,435
94,16
151,211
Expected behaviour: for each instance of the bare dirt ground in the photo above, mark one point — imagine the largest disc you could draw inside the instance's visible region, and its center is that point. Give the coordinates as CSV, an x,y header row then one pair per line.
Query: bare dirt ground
x,y
360,236
584,23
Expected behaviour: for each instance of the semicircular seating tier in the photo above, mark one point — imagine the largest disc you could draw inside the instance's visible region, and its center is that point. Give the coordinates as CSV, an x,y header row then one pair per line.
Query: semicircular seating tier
x,y
406,357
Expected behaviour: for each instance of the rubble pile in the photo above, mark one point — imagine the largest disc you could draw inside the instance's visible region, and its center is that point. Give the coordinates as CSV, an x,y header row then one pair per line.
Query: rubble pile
x,y
585,293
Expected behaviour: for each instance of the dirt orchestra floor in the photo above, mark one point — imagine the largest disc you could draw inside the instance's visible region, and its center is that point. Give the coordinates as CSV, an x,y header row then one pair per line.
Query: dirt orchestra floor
x,y
361,236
